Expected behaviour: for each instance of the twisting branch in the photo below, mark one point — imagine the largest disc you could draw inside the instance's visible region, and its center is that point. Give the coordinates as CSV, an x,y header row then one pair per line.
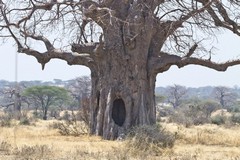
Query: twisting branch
x,y
159,65
189,15
69,57
207,63
47,43
8,27
227,22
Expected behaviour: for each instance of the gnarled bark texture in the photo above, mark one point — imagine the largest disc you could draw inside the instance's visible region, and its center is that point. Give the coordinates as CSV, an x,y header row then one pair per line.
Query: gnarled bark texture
x,y
122,73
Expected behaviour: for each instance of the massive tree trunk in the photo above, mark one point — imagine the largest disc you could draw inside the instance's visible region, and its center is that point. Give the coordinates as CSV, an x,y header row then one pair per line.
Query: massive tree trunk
x,y
122,85
120,100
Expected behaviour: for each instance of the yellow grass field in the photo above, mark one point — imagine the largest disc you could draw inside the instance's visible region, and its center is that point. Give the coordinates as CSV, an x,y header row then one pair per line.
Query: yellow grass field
x,y
207,142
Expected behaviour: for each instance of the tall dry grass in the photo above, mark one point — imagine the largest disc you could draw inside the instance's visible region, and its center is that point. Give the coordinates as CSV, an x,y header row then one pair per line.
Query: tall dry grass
x,y
208,134
207,142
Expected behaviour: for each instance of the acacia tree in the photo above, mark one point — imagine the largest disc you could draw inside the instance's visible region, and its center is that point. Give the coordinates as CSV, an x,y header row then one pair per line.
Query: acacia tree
x,y
124,43
46,96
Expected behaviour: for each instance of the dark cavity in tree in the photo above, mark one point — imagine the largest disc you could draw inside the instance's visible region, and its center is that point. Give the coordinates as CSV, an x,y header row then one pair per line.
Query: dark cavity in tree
x,y
118,112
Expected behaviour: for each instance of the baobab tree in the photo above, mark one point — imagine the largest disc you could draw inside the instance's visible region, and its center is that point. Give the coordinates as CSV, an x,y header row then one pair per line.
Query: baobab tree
x,y
176,94
124,43
224,96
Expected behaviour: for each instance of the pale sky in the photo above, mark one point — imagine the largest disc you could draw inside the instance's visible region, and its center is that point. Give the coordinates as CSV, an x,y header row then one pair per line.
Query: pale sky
x,y
190,76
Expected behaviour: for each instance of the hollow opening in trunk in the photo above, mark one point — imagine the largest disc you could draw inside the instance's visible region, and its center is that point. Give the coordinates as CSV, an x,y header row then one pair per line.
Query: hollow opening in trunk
x,y
118,112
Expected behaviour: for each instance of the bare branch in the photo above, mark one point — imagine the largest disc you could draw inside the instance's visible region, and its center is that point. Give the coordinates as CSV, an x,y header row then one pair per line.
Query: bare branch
x,y
158,65
69,57
227,22
192,50
47,43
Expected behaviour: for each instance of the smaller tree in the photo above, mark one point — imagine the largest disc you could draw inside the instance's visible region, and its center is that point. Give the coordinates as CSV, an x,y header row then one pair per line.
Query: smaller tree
x,y
80,90
45,96
209,106
224,96
176,94
12,98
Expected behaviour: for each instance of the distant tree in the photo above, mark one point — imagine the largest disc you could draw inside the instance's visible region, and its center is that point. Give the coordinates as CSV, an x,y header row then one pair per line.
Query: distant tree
x,y
224,96
12,97
80,89
175,95
46,96
209,106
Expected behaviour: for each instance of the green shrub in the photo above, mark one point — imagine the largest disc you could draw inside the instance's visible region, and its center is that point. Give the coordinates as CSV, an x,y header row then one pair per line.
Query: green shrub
x,y
149,139
236,118
234,109
218,119
24,121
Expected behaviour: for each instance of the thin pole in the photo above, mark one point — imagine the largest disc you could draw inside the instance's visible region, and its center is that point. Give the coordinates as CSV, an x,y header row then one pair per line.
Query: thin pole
x,y
16,93
16,69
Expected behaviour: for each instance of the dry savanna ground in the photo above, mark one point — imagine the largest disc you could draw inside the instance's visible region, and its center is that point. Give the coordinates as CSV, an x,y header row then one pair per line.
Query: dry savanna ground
x,y
39,141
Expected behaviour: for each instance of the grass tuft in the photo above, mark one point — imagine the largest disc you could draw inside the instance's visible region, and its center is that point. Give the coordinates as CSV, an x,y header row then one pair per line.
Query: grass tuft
x,y
149,139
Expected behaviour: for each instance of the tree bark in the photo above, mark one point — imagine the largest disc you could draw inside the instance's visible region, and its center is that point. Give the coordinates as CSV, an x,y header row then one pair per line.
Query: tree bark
x,y
137,95
122,85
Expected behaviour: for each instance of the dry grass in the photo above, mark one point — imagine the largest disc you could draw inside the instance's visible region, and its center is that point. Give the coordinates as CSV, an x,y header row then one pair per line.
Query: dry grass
x,y
207,134
207,142
61,147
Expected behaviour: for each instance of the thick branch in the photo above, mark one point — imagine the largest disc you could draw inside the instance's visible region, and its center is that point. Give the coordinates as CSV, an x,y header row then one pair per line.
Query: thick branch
x,y
89,48
93,49
69,57
163,63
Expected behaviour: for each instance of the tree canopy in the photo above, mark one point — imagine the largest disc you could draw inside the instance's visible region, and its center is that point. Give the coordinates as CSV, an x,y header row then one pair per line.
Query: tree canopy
x,y
68,29
45,96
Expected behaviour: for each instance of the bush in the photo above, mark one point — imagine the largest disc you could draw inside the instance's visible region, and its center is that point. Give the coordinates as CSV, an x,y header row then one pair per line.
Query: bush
x,y
236,118
24,121
37,114
149,139
5,120
192,115
70,128
218,119
234,109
